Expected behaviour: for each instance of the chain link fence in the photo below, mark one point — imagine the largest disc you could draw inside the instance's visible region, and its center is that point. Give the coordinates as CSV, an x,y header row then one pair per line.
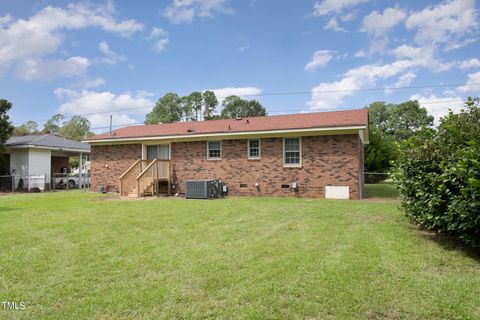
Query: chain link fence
x,y
376,177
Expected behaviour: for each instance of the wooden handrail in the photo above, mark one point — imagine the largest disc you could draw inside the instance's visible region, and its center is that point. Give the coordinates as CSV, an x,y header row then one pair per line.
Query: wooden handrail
x,y
128,180
148,167
131,167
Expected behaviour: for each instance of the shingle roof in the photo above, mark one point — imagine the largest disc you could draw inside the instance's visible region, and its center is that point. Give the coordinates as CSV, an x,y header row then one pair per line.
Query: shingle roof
x,y
47,140
358,117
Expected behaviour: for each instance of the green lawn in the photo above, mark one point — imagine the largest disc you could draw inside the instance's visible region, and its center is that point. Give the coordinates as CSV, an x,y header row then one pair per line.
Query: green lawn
x,y
71,255
381,190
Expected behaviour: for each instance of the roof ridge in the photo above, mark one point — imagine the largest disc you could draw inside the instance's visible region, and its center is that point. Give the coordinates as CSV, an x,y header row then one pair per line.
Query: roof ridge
x,y
40,137
255,117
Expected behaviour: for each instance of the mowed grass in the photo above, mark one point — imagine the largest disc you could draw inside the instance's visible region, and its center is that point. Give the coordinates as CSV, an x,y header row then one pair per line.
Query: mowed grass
x,y
74,255
381,190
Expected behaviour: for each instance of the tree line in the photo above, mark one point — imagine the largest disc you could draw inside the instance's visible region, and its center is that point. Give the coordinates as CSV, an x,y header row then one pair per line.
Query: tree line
x,y
199,106
77,128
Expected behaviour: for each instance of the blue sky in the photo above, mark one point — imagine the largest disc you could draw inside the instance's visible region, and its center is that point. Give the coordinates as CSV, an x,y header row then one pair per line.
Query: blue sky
x,y
104,57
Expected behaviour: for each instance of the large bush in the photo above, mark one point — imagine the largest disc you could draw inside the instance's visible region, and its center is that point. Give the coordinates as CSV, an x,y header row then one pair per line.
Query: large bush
x,y
438,173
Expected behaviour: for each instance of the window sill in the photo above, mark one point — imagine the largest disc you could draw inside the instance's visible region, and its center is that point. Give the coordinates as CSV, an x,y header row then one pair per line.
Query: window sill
x,y
292,165
254,159
214,159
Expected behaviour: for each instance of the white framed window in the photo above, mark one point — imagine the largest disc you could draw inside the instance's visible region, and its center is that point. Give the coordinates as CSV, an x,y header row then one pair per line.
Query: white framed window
x,y
292,152
214,150
254,149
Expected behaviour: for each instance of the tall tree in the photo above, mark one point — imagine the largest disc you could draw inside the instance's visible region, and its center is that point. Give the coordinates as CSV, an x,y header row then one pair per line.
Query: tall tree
x,y
379,116
77,128
186,111
6,130
30,127
389,124
53,125
236,107
210,103
406,118
195,103
166,110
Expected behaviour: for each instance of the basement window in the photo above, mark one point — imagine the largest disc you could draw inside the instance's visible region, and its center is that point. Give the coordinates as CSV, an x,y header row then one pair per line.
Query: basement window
x,y
243,185
285,186
214,150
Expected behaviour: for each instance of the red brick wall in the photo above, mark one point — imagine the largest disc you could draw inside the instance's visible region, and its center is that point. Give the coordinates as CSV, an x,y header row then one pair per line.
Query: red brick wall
x,y
58,163
326,160
118,158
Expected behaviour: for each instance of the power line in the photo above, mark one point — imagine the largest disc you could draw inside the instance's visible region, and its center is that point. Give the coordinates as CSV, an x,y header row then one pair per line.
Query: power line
x,y
286,94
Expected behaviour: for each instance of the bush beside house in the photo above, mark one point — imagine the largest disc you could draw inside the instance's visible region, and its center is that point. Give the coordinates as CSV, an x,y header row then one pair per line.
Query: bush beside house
x,y
438,174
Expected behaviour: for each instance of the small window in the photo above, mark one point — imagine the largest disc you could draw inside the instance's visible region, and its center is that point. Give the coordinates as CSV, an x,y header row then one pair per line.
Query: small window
x,y
214,150
254,149
243,185
285,186
292,152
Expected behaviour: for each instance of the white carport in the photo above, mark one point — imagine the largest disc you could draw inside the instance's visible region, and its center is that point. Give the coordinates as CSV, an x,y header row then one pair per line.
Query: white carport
x,y
35,156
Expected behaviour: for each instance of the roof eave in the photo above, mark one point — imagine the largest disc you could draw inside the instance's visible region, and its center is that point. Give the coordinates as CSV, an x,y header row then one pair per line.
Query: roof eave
x,y
302,131
32,146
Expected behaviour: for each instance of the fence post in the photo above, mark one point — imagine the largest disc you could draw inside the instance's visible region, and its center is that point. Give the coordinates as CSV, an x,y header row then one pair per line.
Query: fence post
x,y
13,183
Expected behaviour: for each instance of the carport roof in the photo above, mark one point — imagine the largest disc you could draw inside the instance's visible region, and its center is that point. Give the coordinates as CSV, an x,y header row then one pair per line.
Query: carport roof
x,y
47,141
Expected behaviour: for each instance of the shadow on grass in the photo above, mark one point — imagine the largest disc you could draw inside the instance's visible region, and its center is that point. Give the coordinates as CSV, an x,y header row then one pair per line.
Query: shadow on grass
x,y
450,243
4,209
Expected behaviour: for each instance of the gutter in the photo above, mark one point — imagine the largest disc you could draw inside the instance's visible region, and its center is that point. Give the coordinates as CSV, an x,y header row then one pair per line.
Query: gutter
x,y
227,134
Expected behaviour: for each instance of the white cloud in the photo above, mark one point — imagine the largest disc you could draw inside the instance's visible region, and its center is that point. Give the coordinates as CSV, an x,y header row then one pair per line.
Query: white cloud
x,y
243,92
244,48
92,83
378,24
360,54
469,64
161,44
180,11
454,45
86,101
5,19
39,36
403,81
325,7
158,33
332,24
160,37
439,106
438,23
332,94
423,56
348,17
32,69
319,59
472,85
111,57
103,104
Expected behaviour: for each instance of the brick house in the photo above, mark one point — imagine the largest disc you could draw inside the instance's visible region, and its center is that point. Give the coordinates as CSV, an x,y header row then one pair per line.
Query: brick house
x,y
307,155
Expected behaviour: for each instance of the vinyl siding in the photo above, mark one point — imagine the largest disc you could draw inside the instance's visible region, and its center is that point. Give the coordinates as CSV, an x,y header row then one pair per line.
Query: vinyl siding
x,y
39,162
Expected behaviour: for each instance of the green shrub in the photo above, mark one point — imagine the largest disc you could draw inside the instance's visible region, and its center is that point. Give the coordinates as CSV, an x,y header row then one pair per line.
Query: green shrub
x,y
438,174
